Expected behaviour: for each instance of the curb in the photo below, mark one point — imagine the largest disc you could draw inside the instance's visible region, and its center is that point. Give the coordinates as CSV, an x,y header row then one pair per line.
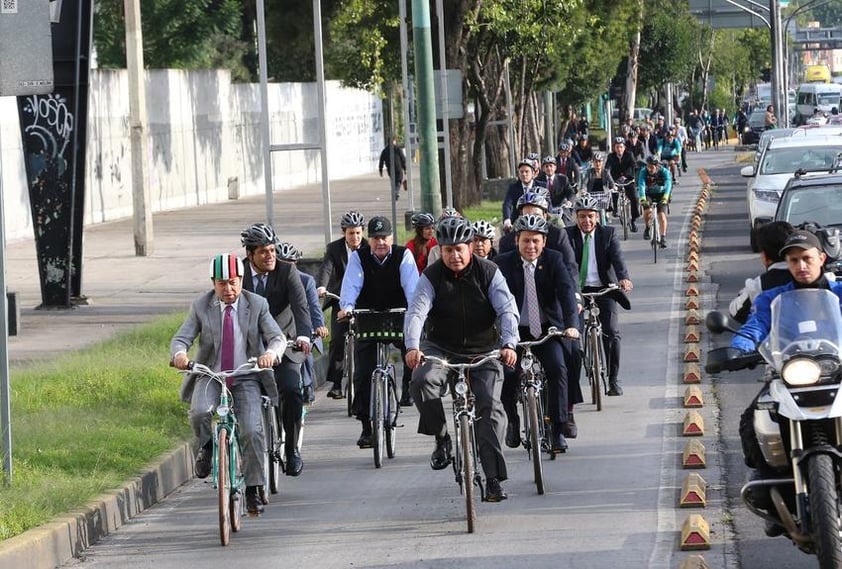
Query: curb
x,y
57,542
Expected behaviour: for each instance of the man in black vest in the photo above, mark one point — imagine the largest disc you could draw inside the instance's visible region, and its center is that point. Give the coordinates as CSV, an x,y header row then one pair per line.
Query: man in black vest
x,y
281,285
457,303
379,276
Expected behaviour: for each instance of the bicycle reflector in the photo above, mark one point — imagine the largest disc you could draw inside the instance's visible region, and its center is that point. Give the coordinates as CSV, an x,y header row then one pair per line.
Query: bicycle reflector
x,y
461,387
222,410
526,363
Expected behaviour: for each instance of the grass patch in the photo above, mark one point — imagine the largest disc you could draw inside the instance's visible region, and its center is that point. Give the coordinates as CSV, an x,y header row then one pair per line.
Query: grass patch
x,y
89,421
491,211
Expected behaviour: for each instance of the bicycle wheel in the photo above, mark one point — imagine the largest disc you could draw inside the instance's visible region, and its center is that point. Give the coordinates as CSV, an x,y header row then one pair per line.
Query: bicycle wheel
x,y
349,373
624,218
597,367
377,410
223,485
656,234
535,437
235,496
272,447
588,365
392,409
466,446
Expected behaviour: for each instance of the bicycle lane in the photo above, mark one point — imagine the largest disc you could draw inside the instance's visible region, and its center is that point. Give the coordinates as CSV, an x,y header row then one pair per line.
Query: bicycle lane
x,y
610,501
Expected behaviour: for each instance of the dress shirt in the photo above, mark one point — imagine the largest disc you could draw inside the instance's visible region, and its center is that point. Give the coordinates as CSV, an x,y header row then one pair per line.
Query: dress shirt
x,y
352,282
593,272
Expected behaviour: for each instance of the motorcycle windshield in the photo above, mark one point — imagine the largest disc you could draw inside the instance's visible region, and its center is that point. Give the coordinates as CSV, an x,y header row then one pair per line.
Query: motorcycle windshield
x,y
805,322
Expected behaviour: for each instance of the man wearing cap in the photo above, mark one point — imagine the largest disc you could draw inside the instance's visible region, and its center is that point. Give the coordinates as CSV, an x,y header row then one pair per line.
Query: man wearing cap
x,y
232,325
805,259
380,275
526,171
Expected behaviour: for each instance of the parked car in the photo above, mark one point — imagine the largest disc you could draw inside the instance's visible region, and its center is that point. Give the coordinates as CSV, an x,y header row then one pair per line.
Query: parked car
x,y
779,161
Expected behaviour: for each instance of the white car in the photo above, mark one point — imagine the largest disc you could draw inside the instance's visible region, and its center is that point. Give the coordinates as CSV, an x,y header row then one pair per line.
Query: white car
x,y
779,161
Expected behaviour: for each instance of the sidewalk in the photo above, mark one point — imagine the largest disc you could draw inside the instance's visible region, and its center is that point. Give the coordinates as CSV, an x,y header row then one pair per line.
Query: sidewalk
x,y
125,290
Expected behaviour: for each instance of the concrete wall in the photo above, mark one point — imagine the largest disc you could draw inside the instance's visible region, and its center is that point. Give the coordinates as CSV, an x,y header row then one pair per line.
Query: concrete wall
x,y
204,135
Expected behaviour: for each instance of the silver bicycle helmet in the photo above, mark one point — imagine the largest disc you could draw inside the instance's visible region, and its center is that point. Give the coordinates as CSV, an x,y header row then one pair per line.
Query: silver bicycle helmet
x,y
287,252
537,199
548,160
449,212
532,222
525,162
352,219
454,230
258,235
422,219
587,202
484,229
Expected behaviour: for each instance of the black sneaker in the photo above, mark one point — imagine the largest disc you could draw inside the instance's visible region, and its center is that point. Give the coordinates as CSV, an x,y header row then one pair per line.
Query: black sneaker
x,y
494,491
254,505
647,233
406,400
663,242
441,457
203,461
365,437
633,227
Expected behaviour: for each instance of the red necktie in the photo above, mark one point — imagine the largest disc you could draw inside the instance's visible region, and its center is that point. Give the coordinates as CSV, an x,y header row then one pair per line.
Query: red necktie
x,y
226,362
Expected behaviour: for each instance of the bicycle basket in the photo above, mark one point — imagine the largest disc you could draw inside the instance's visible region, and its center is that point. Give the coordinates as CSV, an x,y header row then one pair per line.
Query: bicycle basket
x,y
603,199
380,326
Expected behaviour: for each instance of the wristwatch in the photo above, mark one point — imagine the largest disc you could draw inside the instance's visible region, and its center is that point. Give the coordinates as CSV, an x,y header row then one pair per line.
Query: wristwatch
x,y
508,347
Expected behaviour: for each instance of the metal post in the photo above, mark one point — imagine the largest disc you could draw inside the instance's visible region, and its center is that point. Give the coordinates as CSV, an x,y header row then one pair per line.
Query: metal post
x,y
405,83
510,117
779,97
426,104
445,116
320,88
5,403
548,123
142,210
264,112
393,161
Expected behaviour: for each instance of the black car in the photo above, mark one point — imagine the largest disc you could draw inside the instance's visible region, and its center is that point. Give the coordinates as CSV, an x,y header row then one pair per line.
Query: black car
x,y
755,127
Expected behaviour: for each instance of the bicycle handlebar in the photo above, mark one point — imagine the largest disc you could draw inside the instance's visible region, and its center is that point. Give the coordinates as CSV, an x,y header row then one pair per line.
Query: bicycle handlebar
x,y
463,366
552,332
247,368
331,296
373,311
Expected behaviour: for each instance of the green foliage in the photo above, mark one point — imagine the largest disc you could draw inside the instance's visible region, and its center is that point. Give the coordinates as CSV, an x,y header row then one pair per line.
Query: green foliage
x,y
668,45
85,423
181,34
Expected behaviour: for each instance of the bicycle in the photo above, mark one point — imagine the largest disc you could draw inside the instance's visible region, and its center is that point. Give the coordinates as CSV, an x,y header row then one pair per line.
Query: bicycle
x,y
226,466
655,229
383,327
623,202
348,361
536,437
595,363
465,456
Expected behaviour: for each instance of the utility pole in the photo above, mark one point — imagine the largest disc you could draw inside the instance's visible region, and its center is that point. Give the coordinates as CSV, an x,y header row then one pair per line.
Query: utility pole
x,y
426,106
142,210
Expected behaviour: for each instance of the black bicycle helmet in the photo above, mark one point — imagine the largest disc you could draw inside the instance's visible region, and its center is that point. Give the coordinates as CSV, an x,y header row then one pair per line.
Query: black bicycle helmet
x,y
484,229
454,230
352,219
287,252
422,219
532,222
653,160
258,235
533,198
587,202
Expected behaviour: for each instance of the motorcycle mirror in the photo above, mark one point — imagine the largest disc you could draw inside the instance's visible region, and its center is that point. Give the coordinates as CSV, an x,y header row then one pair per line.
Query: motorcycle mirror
x,y
717,322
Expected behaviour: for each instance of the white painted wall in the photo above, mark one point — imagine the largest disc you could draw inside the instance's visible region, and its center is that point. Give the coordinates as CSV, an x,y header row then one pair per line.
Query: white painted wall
x,y
203,132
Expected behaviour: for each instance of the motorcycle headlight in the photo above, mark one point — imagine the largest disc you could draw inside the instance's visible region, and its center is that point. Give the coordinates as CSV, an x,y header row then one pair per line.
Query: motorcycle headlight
x,y
799,372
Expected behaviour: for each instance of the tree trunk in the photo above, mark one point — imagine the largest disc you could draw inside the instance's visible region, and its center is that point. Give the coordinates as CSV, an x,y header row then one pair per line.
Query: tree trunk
x,y
633,66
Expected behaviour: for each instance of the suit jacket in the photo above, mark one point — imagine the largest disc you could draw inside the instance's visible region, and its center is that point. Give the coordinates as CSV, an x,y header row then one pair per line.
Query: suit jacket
x,y
557,240
513,194
609,256
556,291
287,302
333,266
317,317
259,329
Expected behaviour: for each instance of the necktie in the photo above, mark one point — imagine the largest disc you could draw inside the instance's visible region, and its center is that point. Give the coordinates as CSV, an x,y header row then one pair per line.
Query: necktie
x,y
261,285
583,266
532,313
226,362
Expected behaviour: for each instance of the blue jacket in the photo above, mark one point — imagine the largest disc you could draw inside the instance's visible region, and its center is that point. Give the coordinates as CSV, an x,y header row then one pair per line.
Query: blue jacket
x,y
760,321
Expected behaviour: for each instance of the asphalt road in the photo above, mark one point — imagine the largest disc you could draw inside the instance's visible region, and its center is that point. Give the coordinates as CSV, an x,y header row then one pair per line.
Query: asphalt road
x,y
610,501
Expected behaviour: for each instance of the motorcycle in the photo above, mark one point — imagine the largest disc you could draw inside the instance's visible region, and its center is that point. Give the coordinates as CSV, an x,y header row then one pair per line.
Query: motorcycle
x,y
797,418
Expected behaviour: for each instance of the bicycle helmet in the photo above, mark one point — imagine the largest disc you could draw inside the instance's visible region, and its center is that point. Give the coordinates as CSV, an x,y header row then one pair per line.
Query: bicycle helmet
x,y
454,230
422,219
587,202
564,147
484,229
548,160
258,235
653,160
525,162
352,219
287,252
532,222
619,140
533,198
449,212
224,267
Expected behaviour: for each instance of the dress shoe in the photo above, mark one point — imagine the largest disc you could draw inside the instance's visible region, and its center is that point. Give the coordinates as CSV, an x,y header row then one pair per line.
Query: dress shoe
x,y
406,400
336,393
633,227
309,394
494,491
513,434
647,233
365,438
614,388
294,463
441,457
569,429
559,442
254,505
203,461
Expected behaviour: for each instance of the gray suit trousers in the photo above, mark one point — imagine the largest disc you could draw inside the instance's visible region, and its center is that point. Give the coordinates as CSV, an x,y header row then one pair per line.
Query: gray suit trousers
x,y
247,407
